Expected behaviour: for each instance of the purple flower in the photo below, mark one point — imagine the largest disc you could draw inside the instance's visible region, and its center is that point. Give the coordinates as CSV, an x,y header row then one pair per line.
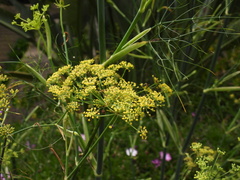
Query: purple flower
x,y
2,177
167,156
157,162
83,137
131,152
193,114
80,149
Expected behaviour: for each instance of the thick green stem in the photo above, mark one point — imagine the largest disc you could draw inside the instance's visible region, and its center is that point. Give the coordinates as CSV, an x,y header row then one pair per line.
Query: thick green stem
x,y
100,151
102,51
101,30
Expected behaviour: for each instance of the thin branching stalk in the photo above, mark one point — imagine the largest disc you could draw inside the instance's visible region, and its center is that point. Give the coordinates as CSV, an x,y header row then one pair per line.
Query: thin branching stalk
x,y
183,69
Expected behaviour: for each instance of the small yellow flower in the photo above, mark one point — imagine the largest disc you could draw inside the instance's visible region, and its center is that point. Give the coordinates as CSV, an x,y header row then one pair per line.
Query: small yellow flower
x,y
195,146
72,106
143,132
189,161
6,94
92,113
165,88
232,96
6,130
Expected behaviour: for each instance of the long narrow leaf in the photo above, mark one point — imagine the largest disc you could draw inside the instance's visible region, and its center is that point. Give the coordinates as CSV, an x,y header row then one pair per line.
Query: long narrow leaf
x,y
137,37
171,128
228,77
222,89
35,73
123,53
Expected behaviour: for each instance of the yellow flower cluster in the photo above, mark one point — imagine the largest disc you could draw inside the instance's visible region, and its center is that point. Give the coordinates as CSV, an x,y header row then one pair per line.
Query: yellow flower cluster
x,y
10,153
104,89
165,88
39,18
206,161
162,86
205,151
199,151
5,94
189,161
143,132
6,130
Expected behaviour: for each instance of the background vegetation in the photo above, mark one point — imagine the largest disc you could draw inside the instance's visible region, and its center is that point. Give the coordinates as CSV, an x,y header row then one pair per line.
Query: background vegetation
x,y
193,46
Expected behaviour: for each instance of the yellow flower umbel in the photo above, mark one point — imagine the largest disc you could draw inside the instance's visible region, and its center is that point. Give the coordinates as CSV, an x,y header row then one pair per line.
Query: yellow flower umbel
x,y
205,162
38,18
201,152
103,89
6,130
6,95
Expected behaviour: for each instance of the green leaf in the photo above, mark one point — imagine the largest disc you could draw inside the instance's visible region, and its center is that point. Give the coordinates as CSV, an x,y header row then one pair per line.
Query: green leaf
x,y
123,52
222,89
35,73
170,127
228,77
137,37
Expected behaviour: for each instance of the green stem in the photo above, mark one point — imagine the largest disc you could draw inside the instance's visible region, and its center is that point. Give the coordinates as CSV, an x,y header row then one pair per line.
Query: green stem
x,y
64,36
100,151
66,147
4,117
3,151
87,149
90,149
102,51
101,29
